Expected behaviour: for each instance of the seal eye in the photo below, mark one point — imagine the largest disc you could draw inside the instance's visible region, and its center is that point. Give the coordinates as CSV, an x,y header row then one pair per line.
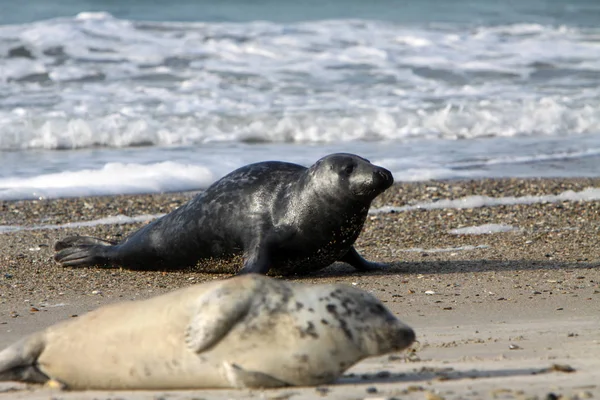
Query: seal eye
x,y
349,169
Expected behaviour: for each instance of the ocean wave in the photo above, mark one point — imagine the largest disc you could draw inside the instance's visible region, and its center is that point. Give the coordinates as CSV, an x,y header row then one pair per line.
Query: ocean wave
x,y
98,81
28,129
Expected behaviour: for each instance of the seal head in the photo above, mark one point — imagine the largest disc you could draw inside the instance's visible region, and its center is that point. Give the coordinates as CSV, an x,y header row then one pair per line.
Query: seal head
x,y
350,176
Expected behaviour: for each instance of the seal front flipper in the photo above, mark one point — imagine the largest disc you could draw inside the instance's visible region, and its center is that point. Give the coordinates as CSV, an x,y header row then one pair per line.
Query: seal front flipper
x,y
357,261
19,361
258,259
217,312
241,378
257,263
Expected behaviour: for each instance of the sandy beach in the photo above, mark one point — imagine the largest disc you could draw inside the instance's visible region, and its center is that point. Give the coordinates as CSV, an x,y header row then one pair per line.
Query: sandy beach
x,y
505,315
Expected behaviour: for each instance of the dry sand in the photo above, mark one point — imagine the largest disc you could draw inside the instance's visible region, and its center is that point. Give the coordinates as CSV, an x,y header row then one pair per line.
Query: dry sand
x,y
506,319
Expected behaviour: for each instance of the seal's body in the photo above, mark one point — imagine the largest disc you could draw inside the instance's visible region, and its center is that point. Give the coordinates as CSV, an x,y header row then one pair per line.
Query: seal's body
x,y
247,331
276,215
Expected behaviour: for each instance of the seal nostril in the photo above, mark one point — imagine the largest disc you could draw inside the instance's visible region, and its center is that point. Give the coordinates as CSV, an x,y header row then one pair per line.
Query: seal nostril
x,y
385,175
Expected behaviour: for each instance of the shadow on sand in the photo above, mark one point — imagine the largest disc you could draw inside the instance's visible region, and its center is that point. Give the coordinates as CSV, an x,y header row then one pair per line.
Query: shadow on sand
x,y
441,267
425,374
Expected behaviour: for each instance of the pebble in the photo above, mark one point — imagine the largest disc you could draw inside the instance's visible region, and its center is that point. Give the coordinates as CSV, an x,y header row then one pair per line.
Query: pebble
x,y
383,374
432,396
322,390
562,368
379,398
281,396
53,384
585,395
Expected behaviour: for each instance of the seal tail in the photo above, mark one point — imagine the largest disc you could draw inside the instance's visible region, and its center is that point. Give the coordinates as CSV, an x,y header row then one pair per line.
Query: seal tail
x,y
19,361
81,251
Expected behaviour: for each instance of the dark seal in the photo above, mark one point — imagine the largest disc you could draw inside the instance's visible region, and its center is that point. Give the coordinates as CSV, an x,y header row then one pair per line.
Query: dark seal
x,y
279,216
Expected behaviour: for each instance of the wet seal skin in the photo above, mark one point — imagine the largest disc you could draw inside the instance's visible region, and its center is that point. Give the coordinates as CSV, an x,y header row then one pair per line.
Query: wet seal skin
x,y
246,331
279,216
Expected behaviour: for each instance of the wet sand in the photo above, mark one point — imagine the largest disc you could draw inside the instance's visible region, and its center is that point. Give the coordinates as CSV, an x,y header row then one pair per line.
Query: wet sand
x,y
497,315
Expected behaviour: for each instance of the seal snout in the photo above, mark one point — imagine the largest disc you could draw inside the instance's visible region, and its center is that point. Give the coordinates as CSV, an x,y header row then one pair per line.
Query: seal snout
x,y
407,336
401,336
384,177
393,336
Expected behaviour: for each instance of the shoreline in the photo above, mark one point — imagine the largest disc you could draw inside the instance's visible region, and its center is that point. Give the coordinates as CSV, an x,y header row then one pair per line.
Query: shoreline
x,y
542,276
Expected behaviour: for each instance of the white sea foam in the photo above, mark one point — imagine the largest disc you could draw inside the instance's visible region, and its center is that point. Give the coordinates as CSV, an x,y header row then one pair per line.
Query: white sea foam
x,y
425,173
445,249
197,169
113,178
483,229
589,194
113,220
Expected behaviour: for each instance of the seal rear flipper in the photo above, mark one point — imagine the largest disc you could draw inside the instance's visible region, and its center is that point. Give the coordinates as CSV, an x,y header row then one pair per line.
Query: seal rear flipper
x,y
19,361
81,251
241,378
357,261
84,255
29,373
75,241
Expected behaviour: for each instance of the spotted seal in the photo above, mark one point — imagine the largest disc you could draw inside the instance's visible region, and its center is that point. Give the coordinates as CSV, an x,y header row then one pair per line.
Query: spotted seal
x,y
277,215
247,331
